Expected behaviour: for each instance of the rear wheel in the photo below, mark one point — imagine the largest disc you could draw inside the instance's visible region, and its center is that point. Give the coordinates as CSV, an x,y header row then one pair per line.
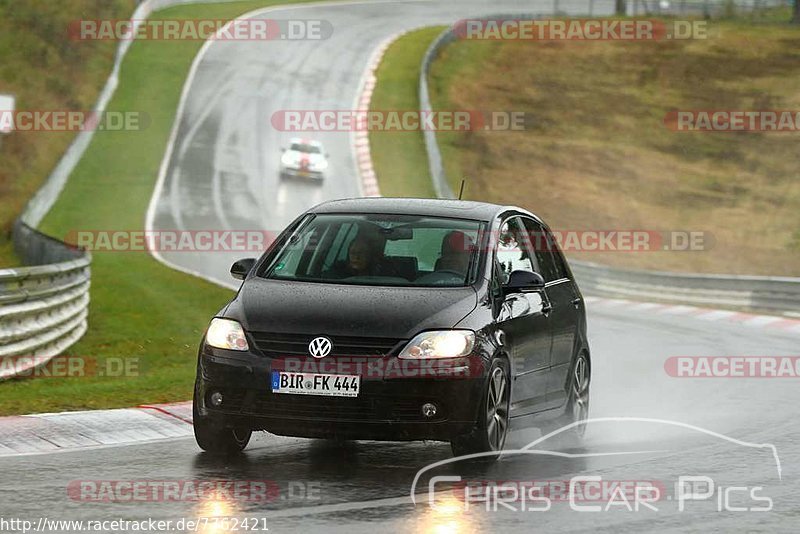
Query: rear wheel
x,y
577,408
492,426
214,438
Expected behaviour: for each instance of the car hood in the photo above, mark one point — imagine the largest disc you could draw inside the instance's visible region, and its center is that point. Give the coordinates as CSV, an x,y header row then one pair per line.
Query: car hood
x,y
347,310
300,157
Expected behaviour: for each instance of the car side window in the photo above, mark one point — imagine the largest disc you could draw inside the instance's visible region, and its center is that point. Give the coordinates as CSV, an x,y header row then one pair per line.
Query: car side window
x,y
561,263
511,253
545,249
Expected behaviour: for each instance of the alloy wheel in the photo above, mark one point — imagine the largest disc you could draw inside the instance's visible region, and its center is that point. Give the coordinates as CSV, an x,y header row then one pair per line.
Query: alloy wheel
x,y
580,393
497,409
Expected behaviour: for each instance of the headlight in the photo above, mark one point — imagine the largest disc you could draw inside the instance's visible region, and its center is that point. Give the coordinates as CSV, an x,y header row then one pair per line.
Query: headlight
x,y
226,334
288,159
440,344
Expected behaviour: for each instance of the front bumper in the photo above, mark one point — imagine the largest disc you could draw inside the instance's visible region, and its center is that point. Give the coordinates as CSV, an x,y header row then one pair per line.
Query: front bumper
x,y
306,174
389,406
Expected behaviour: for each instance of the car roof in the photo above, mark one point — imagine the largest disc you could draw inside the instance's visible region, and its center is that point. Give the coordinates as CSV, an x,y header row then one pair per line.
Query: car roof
x,y
461,209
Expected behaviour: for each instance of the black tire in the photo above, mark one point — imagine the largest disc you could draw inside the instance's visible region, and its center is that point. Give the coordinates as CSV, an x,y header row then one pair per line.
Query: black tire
x,y
577,408
491,428
217,439
578,403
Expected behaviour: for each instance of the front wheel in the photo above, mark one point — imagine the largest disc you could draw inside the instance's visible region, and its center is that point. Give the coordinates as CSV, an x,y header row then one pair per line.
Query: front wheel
x,y
215,438
491,428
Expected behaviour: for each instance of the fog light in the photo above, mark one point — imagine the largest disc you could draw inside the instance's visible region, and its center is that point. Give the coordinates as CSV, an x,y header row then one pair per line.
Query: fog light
x,y
429,409
216,399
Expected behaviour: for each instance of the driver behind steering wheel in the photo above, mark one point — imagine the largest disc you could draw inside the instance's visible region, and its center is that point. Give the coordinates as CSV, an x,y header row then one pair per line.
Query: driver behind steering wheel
x,y
456,252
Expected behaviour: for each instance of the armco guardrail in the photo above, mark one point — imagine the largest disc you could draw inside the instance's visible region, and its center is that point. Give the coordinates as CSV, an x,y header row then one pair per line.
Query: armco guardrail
x,y
44,305
759,293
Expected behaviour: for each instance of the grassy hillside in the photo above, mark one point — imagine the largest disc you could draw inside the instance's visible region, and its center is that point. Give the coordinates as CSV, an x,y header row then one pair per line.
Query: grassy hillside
x,y
596,155
45,70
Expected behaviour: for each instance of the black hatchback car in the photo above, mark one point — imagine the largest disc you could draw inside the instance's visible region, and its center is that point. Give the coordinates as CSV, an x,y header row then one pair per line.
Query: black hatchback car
x,y
397,319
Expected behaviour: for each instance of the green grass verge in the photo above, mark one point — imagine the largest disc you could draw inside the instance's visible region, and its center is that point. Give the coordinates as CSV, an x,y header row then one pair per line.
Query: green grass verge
x,y
401,156
139,309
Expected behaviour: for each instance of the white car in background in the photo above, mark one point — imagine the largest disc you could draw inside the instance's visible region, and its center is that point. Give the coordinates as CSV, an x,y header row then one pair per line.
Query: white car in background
x,y
304,159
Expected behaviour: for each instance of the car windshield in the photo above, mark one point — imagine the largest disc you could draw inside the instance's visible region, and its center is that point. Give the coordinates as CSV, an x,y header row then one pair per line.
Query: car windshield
x,y
305,147
380,250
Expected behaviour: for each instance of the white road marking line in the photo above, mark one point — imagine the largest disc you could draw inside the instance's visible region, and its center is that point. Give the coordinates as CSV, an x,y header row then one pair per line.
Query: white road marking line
x,y
616,302
642,306
676,310
762,320
716,315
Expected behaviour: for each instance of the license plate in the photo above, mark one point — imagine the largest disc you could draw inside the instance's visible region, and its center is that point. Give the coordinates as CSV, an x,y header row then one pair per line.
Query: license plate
x,y
316,384
303,173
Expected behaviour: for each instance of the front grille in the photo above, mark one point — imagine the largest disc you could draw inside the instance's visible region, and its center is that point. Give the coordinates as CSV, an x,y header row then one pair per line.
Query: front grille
x,y
280,345
312,407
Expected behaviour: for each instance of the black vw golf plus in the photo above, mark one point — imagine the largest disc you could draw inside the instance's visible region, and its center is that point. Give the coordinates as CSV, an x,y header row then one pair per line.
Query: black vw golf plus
x,y
397,319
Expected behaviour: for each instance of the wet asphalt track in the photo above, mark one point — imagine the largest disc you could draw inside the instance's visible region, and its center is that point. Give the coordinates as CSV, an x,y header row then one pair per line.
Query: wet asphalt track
x,y
361,486
223,170
223,174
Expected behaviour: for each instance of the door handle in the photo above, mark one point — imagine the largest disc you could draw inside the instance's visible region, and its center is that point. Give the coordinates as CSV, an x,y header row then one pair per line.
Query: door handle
x,y
547,308
576,302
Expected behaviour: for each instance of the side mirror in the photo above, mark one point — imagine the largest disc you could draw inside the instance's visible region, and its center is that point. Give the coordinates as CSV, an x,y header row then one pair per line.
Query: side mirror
x,y
523,281
327,155
283,149
240,269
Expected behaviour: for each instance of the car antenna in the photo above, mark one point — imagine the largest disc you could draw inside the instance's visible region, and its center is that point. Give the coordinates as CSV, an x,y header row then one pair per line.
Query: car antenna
x,y
461,192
